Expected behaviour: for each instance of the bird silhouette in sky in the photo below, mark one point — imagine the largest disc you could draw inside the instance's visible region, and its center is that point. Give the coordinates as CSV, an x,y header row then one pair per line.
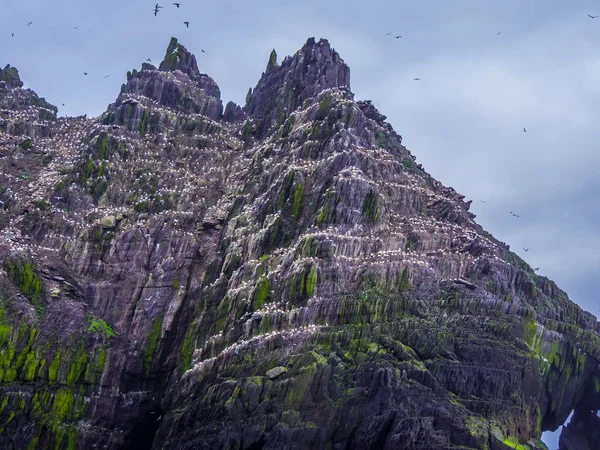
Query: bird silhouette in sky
x,y
12,35
157,8
592,17
187,24
498,33
398,37
149,60
202,50
76,27
177,4
387,34
106,77
416,79
29,23
85,73
524,130
526,249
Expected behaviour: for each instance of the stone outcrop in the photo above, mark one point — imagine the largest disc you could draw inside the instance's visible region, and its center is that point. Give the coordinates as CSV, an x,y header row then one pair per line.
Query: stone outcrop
x,y
283,275
282,89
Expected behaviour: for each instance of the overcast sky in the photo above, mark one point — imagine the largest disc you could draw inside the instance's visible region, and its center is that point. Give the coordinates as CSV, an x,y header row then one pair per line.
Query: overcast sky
x,y
463,121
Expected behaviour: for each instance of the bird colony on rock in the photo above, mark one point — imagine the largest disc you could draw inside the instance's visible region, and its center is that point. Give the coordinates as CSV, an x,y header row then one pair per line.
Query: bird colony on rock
x,y
179,274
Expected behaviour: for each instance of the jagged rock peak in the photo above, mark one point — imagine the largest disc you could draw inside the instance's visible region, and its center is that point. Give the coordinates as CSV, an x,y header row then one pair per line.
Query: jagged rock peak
x,y
178,57
10,75
283,88
272,61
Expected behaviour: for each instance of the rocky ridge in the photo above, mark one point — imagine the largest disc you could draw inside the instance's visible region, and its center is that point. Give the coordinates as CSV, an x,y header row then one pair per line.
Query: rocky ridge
x,y
176,274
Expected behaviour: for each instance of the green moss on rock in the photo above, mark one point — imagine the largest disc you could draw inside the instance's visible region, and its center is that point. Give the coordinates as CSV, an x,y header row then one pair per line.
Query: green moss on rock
x,y
261,292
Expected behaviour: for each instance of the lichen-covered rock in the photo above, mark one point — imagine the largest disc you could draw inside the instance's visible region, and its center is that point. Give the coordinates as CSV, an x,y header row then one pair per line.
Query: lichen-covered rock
x,y
286,276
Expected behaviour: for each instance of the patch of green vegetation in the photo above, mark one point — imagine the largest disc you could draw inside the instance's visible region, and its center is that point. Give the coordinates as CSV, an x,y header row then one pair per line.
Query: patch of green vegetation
x,y
175,284
144,122
248,97
297,199
408,164
141,207
311,281
23,273
370,208
42,204
322,215
53,367
285,190
100,326
261,292
94,369
102,151
151,343
530,331
404,281
512,442
246,131
324,107
26,144
62,404
29,366
187,348
76,368
382,141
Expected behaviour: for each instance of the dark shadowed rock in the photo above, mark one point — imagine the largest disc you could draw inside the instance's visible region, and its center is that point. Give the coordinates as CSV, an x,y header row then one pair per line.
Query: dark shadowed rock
x,y
233,113
370,111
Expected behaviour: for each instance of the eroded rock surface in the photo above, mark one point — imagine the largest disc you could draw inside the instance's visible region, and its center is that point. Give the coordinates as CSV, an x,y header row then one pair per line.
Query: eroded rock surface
x,y
283,275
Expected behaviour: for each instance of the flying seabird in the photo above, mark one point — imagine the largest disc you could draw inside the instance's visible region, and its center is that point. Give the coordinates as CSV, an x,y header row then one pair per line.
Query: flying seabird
x,y
12,35
187,24
156,9
416,79
592,17
85,73
498,33
76,27
524,130
106,77
536,269
29,23
202,50
149,60
387,34
397,37
177,4
526,249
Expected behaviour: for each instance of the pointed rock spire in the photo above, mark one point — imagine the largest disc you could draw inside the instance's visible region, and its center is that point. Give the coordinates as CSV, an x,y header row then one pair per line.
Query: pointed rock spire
x,y
272,64
178,57
282,88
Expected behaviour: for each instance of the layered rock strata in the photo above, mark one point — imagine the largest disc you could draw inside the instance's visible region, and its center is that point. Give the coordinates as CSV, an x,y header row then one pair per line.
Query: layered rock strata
x,y
282,275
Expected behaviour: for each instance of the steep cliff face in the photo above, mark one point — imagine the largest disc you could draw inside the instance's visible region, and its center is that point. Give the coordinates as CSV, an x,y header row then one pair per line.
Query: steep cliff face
x,y
282,275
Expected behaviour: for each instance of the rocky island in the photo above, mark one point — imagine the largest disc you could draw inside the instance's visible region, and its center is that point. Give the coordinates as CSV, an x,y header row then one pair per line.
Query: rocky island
x,y
182,274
